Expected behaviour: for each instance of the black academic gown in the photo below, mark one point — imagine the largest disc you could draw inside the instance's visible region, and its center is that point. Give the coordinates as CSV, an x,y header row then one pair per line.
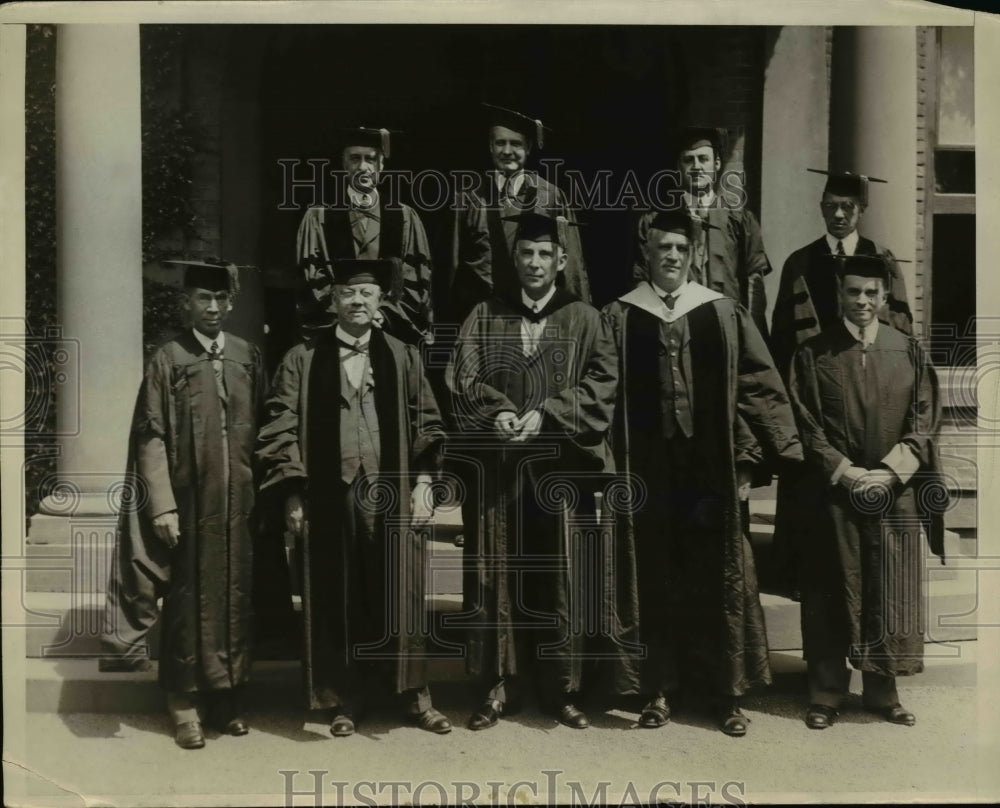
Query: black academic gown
x,y
863,563
482,262
299,451
518,542
807,303
176,454
741,411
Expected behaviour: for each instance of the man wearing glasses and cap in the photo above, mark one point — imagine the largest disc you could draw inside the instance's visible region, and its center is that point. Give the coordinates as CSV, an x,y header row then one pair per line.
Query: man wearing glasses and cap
x,y
808,302
700,406
483,253
727,250
868,408
533,382
189,540
350,444
366,224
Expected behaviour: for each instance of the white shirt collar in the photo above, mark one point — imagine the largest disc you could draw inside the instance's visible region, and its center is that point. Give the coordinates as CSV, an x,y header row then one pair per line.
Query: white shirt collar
x,y
530,304
345,337
707,201
513,183
362,200
871,331
850,243
207,341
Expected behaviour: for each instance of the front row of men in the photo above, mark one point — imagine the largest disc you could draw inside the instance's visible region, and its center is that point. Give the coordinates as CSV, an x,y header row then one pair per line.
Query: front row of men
x,y
671,388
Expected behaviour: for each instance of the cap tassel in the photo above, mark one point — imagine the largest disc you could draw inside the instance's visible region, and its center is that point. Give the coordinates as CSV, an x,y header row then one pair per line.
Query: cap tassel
x,y
539,137
385,142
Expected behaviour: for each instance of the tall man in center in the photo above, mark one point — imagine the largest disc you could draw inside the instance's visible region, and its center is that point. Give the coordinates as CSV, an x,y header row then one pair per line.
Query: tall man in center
x,y
350,445
534,379
483,260
700,405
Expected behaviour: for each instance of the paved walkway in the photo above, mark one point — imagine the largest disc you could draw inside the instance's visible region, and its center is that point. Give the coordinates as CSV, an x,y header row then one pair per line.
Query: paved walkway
x,y
111,759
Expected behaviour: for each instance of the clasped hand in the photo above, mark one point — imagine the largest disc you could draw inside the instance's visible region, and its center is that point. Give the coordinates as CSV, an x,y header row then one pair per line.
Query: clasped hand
x,y
859,476
512,429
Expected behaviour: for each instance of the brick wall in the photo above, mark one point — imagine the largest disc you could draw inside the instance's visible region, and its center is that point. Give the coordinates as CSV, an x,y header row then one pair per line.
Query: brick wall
x,y
925,41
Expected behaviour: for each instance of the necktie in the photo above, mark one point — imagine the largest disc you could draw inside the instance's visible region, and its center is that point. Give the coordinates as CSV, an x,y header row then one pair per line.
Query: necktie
x,y
355,346
215,355
840,248
669,301
864,346
354,361
534,333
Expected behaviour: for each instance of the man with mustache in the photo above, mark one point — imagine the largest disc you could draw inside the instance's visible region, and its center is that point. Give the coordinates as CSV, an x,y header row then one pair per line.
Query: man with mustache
x,y
868,408
191,541
366,224
700,406
483,261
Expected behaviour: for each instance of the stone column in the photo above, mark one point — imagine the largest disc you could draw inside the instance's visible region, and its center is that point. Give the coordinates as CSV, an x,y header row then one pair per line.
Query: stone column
x,y
794,138
99,266
873,129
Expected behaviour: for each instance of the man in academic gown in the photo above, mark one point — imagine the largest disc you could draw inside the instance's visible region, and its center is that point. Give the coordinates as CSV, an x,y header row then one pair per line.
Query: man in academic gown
x,y
867,403
365,223
728,252
188,537
483,262
700,406
533,378
350,445
807,303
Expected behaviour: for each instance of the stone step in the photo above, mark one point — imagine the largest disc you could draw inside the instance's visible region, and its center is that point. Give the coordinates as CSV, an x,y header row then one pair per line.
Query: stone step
x,y
65,625
76,685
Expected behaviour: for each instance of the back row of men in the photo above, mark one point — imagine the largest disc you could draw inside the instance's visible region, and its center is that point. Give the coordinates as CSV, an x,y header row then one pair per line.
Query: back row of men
x,y
669,395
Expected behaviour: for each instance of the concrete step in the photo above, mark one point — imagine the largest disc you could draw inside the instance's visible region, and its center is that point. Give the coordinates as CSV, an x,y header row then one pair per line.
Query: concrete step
x,y
66,625
76,685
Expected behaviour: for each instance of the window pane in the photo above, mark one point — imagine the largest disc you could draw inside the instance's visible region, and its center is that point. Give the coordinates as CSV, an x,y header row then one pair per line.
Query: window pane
x,y
954,284
954,171
956,102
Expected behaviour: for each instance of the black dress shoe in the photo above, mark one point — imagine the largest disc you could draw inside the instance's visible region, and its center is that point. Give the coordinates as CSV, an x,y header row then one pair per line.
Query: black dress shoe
x,y
732,721
431,720
188,735
487,715
236,726
342,725
896,714
819,716
572,716
655,714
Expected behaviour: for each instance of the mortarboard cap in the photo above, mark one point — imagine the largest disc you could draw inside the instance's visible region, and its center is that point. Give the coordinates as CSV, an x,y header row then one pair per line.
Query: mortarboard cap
x,y
694,137
366,136
349,271
864,266
212,275
846,183
678,220
313,312
540,225
531,128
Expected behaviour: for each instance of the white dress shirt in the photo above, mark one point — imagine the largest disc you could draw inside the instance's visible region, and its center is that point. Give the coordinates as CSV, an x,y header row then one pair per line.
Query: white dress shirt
x,y
355,364
220,340
531,332
850,242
